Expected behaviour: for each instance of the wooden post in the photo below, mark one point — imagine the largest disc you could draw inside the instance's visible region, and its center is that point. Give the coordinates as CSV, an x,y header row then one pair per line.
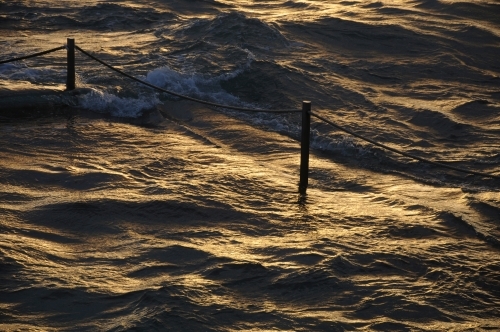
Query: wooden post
x,y
304,147
70,79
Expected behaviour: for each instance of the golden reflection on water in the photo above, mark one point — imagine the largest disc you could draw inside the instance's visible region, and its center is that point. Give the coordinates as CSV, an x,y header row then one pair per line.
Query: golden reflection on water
x,y
112,208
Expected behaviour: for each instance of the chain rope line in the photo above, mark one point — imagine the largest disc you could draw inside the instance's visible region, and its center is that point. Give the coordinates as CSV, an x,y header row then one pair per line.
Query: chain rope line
x,y
289,111
244,109
293,110
406,154
33,55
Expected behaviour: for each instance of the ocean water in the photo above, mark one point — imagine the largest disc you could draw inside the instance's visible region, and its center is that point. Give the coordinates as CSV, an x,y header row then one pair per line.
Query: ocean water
x,y
195,223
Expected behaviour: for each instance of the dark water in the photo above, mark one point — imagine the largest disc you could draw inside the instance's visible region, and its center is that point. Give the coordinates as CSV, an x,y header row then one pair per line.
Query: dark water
x,y
194,224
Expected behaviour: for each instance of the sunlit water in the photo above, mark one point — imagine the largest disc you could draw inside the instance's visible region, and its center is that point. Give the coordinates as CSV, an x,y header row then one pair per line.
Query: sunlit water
x,y
197,224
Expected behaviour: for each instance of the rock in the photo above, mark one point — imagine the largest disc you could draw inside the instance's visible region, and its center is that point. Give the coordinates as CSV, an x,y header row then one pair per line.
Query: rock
x,y
27,100
151,117
176,110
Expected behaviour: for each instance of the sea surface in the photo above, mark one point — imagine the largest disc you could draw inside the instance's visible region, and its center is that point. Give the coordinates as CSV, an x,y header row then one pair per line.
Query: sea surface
x,y
194,223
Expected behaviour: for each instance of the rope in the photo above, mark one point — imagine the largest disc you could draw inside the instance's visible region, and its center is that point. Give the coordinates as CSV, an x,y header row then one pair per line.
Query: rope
x,y
236,108
244,109
33,55
406,154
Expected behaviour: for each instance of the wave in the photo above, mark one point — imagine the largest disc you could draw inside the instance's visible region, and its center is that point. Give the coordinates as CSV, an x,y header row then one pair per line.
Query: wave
x,y
125,107
236,29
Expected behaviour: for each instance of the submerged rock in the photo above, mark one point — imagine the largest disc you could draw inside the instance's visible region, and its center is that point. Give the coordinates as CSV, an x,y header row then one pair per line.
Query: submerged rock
x,y
26,100
151,117
177,110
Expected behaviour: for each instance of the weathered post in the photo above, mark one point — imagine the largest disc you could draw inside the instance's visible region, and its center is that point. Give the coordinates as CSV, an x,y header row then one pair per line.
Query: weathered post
x,y
304,147
70,79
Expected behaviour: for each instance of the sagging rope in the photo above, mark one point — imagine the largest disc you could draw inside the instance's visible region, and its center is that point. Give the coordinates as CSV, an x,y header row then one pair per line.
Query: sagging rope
x,y
244,109
406,154
289,111
33,55
257,110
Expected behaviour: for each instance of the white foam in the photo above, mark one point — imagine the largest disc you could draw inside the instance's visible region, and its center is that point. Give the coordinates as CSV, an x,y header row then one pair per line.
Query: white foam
x,y
197,85
104,102
344,145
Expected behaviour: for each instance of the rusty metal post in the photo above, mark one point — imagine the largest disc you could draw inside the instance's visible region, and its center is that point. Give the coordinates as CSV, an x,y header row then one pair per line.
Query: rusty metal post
x,y
304,147
70,79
